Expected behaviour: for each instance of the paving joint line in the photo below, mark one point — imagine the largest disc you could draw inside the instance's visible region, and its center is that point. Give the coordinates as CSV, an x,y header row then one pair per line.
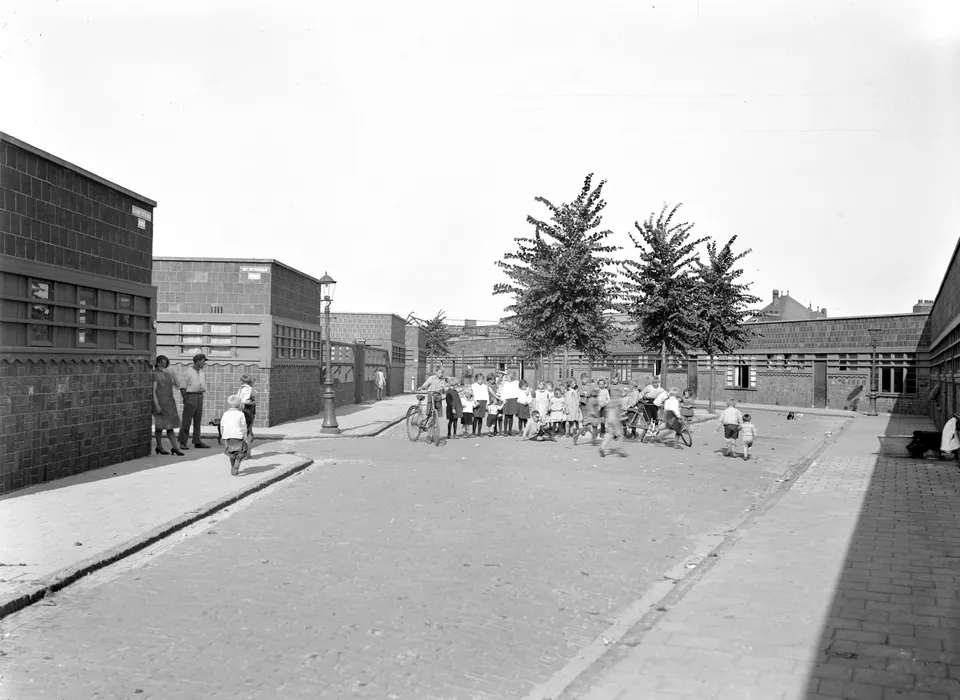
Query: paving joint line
x,y
642,616
72,573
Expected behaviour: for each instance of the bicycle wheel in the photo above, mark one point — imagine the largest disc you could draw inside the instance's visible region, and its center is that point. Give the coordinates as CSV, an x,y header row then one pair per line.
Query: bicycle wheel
x,y
686,437
414,427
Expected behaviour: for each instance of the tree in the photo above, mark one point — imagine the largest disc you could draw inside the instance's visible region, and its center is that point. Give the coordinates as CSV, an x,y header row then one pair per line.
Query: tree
x,y
723,303
437,337
659,290
560,280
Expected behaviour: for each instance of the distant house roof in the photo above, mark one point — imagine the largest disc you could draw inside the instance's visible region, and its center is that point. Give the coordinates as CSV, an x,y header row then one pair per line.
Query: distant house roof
x,y
785,308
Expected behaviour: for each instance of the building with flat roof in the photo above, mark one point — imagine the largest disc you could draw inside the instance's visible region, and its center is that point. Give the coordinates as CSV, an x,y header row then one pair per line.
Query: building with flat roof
x,y
76,318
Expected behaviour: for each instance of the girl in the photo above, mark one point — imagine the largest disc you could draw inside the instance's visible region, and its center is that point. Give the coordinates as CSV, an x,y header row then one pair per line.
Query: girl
x,y
467,401
454,410
523,405
558,411
480,397
510,393
541,402
248,404
493,389
572,401
493,413
687,406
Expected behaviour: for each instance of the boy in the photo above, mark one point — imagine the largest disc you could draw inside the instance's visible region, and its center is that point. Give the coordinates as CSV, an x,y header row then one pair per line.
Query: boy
x,y
536,429
731,419
234,427
591,418
748,431
614,424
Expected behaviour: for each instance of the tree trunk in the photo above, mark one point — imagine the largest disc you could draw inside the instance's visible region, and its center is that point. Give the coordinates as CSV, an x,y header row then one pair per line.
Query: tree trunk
x,y
712,379
566,361
663,365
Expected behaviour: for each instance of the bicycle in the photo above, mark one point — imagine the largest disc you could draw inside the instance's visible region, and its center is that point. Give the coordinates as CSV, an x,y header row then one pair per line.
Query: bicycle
x,y
416,425
645,427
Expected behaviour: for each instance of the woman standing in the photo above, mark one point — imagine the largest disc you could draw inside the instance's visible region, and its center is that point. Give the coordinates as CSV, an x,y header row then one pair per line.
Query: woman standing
x,y
165,414
248,404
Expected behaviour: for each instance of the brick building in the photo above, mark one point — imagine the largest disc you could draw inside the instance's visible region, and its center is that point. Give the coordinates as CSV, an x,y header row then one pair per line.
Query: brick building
x,y
256,317
818,363
376,330
76,318
945,344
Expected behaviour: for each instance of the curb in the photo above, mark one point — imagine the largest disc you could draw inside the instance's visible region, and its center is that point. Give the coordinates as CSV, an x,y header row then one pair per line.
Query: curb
x,y
271,436
69,574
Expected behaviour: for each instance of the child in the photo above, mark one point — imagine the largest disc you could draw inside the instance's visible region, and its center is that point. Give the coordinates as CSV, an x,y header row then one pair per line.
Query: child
x,y
536,429
493,413
467,402
234,427
523,405
591,419
603,398
614,424
481,395
687,406
248,404
541,399
572,401
730,419
748,431
558,412
454,410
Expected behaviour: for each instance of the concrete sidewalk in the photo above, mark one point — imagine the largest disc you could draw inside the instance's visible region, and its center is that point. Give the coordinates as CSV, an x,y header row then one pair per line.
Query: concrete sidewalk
x,y
847,586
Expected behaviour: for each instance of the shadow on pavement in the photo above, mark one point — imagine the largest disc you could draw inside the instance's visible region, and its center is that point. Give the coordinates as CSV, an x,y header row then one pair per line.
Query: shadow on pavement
x,y
893,629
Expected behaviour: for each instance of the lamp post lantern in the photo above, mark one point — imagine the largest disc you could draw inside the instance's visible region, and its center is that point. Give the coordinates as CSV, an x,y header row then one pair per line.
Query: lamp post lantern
x,y
872,395
329,427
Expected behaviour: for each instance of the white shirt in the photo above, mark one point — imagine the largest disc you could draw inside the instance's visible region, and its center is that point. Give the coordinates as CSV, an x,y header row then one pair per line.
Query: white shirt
x,y
234,425
672,404
480,392
509,390
193,381
523,398
246,394
662,399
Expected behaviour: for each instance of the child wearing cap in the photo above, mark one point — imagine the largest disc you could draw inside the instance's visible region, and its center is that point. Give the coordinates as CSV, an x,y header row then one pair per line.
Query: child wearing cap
x,y
234,427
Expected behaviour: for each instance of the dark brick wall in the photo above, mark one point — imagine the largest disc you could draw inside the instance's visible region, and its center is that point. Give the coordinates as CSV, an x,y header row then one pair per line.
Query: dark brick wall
x,y
66,417
832,335
52,214
224,380
946,307
295,392
195,286
294,295
348,327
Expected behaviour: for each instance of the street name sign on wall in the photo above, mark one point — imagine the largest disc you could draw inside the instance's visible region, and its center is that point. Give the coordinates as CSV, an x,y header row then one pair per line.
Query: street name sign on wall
x,y
254,271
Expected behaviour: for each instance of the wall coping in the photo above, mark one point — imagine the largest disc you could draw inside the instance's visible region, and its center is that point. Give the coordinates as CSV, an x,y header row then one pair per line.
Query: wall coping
x,y
75,168
259,261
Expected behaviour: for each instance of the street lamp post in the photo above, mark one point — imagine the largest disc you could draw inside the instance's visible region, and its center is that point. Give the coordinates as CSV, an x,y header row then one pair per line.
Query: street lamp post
x,y
872,395
329,427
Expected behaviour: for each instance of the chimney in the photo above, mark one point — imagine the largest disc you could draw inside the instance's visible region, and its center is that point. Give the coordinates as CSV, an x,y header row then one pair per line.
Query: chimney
x,y
823,312
923,306
776,295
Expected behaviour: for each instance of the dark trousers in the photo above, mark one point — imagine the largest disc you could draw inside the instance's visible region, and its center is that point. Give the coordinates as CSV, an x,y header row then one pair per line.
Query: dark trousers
x,y
192,411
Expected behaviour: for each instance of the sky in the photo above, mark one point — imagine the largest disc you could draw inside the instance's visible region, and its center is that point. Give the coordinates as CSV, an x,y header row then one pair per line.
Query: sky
x,y
400,146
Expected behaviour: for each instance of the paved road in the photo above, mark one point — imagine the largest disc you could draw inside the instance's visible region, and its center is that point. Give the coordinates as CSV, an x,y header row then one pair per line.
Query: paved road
x,y
396,570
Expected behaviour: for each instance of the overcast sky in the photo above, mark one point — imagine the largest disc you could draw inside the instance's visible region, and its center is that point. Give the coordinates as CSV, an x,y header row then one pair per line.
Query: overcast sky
x,y
399,145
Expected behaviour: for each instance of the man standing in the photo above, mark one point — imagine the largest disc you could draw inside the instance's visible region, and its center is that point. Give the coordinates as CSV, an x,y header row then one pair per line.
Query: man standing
x,y
731,419
192,388
379,381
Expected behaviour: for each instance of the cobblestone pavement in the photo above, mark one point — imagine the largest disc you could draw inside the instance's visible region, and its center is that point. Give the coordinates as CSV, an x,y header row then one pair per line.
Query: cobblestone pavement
x,y
846,588
397,570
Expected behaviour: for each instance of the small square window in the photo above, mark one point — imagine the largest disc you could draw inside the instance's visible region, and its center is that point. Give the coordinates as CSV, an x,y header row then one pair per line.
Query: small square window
x,y
86,336
220,352
219,328
41,335
124,303
41,312
191,328
192,339
190,350
41,289
124,339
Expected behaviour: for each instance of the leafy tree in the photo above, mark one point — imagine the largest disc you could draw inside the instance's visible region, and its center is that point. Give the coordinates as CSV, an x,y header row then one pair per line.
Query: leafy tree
x,y
437,336
660,292
723,304
560,279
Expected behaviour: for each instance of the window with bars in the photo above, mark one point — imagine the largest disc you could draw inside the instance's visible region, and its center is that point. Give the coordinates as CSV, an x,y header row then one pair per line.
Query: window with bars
x,y
897,373
294,343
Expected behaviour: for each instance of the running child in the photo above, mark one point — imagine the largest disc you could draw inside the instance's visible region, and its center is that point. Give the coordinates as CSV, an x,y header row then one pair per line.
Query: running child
x,y
614,433
748,433
591,418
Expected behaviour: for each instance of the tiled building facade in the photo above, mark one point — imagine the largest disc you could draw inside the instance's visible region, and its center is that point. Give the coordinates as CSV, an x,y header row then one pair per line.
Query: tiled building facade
x,y
375,330
76,318
258,317
945,344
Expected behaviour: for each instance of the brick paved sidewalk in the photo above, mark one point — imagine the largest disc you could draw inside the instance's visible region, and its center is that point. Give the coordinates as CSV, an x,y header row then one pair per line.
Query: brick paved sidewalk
x,y
847,587
58,529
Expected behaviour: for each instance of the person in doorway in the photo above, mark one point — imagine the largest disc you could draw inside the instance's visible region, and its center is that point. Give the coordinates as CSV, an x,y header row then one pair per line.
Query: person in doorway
x,y
192,389
379,381
730,419
165,416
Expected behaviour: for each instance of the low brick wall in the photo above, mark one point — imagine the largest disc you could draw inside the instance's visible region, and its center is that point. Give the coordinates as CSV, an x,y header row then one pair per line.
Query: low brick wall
x,y
66,417
294,392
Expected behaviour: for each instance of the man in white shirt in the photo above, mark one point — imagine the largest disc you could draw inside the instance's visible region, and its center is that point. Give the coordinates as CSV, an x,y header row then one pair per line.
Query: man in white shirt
x,y
648,397
192,387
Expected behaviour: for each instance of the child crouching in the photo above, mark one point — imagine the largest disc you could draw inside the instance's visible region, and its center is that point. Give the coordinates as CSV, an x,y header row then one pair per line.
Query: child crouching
x,y
234,427
536,429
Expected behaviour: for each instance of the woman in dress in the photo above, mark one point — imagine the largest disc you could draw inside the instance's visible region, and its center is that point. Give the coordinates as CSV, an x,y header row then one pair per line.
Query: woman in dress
x,y
165,414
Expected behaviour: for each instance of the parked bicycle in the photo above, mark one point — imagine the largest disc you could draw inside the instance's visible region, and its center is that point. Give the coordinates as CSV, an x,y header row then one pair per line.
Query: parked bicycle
x,y
641,424
424,419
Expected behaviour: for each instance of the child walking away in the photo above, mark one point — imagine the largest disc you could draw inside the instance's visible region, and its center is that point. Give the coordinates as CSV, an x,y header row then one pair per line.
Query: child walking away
x,y
536,429
234,427
558,412
731,420
614,424
493,413
467,401
748,431
591,419
454,411
523,405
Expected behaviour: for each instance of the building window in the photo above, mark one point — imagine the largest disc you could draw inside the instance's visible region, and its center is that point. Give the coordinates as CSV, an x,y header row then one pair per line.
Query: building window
x,y
741,376
399,355
191,328
40,334
86,336
219,328
124,323
897,373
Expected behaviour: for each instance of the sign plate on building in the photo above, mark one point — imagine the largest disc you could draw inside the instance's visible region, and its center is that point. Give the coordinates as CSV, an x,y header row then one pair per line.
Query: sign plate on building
x,y
253,275
260,268
141,223
142,214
